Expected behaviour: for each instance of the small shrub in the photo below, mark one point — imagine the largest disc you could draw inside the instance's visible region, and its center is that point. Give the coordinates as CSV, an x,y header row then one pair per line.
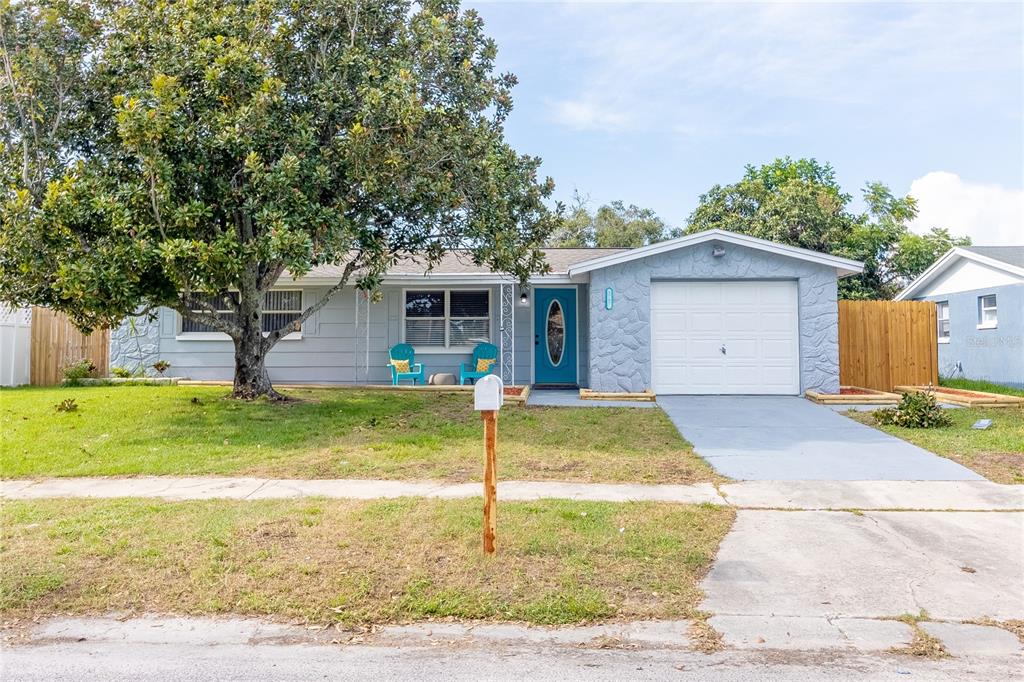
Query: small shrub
x,y
121,372
915,411
77,371
66,405
161,366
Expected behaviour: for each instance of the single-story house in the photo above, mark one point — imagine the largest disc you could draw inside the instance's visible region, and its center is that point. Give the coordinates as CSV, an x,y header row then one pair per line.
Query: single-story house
x,y
708,313
979,300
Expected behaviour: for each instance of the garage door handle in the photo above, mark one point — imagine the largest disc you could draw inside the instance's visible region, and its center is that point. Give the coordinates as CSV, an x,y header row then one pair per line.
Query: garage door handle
x,y
722,349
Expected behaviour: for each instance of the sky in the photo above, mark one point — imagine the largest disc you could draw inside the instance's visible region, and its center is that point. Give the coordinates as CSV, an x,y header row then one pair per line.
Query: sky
x,y
653,103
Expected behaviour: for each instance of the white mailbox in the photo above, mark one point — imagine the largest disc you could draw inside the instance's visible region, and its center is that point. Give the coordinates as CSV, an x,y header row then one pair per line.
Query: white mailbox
x,y
489,393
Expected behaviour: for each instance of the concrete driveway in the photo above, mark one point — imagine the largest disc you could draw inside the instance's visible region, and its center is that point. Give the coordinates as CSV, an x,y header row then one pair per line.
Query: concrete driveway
x,y
782,438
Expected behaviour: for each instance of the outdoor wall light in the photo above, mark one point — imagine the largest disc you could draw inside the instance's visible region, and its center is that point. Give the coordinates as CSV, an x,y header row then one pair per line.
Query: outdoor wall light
x,y
524,298
718,251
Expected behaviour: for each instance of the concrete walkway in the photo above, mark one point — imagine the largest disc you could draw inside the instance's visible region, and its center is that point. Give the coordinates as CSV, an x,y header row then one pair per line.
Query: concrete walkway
x,y
823,495
779,438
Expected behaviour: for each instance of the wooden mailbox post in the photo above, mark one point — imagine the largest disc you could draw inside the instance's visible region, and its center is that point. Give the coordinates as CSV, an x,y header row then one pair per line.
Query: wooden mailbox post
x,y
488,397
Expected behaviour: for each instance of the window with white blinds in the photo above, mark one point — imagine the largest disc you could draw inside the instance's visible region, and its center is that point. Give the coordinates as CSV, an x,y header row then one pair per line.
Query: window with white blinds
x,y
446,318
280,307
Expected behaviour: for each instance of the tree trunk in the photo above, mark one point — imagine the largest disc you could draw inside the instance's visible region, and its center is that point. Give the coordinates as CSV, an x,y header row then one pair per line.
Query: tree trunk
x,y
251,378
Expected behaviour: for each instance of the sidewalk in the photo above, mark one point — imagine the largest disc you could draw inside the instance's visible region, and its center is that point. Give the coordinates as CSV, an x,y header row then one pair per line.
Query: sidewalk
x,y
805,495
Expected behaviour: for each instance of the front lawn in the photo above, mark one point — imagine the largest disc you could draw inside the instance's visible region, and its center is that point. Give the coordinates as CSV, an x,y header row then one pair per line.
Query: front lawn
x,y
997,453
980,385
349,562
344,433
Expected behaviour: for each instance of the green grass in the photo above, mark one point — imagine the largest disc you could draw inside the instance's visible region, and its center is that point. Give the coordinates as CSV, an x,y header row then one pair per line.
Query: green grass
x,y
996,453
350,562
164,430
980,385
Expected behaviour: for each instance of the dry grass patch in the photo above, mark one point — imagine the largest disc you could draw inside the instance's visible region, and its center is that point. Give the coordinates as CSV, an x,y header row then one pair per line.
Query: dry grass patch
x,y
357,562
192,430
922,644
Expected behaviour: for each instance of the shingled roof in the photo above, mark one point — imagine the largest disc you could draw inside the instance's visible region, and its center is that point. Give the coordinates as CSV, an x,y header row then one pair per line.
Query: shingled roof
x,y
1011,255
461,263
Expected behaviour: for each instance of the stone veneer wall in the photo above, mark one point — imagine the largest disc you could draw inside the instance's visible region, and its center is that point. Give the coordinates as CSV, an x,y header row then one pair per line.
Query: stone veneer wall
x,y
139,347
620,339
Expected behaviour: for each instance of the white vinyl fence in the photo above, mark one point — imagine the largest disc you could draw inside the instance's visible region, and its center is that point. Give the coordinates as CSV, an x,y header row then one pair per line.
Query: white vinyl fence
x,y
15,344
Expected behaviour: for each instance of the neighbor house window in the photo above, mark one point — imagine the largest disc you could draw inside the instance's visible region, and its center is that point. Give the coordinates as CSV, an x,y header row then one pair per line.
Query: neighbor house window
x,y
942,309
987,312
446,318
280,307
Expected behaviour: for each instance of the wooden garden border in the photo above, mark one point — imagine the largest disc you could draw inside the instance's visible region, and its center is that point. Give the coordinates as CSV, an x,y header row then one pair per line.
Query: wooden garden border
x,y
872,397
644,396
986,399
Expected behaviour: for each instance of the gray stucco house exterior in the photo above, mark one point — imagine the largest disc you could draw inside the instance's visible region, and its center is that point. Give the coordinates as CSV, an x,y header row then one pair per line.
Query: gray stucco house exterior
x,y
708,313
979,298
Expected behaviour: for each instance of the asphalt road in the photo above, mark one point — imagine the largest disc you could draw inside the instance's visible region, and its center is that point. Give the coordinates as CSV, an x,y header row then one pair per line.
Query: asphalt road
x,y
191,661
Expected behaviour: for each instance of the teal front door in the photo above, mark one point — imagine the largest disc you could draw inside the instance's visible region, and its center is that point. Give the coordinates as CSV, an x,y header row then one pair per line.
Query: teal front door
x,y
554,336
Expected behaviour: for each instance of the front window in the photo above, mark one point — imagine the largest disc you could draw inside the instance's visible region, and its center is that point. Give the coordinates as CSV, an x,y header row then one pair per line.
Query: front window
x,y
987,312
280,307
942,309
447,318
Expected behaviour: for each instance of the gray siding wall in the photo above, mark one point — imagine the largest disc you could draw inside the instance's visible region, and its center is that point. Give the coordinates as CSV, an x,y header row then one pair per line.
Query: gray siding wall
x,y
990,354
620,339
332,348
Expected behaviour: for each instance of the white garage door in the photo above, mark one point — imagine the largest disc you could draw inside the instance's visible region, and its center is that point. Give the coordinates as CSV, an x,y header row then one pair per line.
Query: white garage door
x,y
725,337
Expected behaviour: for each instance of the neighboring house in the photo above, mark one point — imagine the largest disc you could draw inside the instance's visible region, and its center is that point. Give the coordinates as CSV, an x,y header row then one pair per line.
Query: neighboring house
x,y
708,313
979,298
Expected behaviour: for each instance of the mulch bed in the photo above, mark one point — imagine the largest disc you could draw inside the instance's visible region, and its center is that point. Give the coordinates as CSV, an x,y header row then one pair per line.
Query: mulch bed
x,y
513,390
846,390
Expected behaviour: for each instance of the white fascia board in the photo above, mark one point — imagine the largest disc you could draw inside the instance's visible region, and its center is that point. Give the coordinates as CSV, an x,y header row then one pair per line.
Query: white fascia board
x,y
444,279
843,266
941,265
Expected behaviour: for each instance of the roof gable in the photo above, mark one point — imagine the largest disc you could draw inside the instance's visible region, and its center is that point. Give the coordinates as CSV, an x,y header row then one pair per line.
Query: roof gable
x,y
843,266
951,258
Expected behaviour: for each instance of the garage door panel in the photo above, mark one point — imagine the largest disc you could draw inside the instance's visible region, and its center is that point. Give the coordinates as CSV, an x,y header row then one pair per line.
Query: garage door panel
x,y
698,294
776,294
778,349
756,321
706,321
671,321
784,322
741,349
740,322
699,350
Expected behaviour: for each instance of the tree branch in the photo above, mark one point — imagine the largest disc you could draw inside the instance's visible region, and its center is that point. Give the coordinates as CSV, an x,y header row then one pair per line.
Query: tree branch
x,y
295,325
208,316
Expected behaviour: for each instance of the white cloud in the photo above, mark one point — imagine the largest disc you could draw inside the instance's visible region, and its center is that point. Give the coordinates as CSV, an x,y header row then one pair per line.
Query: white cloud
x,y
989,214
736,67
588,115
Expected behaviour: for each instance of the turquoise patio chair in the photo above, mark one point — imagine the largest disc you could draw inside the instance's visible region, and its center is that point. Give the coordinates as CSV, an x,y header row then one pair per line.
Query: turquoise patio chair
x,y
483,351
404,351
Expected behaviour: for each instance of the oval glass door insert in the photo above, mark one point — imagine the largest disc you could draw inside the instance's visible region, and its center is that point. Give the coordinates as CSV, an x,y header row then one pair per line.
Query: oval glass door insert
x,y
555,333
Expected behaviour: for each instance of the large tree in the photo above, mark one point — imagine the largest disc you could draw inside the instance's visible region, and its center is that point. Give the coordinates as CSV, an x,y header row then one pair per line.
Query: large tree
x,y
611,225
173,153
801,203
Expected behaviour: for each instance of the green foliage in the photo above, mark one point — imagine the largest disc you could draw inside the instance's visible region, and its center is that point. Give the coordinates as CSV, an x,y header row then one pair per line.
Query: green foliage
x,y
612,225
161,366
917,410
177,149
77,371
121,372
66,405
801,203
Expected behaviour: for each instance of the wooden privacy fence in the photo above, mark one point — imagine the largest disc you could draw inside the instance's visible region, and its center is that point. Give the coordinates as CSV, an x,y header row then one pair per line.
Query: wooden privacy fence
x,y
883,344
56,343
